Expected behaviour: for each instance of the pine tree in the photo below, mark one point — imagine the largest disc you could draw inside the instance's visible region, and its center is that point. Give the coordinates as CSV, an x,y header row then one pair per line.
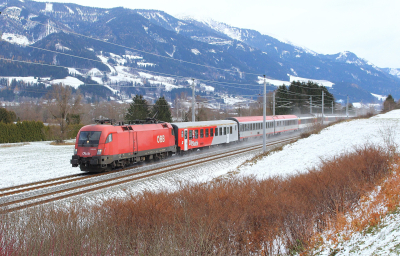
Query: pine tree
x,y
161,110
389,103
138,109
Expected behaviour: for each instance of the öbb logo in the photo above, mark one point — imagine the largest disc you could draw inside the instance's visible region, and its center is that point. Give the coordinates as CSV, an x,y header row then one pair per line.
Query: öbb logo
x,y
160,138
86,153
193,143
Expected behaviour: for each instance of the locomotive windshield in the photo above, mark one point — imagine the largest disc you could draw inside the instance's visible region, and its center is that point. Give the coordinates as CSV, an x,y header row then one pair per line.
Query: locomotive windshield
x,y
89,139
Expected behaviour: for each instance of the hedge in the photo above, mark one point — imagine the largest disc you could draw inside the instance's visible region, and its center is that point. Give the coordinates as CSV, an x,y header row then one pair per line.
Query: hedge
x,y
32,131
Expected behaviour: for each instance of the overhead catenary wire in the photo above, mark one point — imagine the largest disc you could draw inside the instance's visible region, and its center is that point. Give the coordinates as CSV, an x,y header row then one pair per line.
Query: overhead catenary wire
x,y
134,49
167,57
148,71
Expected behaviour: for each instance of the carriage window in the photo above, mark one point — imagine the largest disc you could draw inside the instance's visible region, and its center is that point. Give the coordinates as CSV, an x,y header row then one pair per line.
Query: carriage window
x,y
201,133
231,130
190,135
211,132
185,135
220,131
207,133
196,134
216,131
224,130
182,134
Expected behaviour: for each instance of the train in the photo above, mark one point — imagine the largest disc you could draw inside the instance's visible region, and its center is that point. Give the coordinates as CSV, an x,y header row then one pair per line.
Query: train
x,y
107,144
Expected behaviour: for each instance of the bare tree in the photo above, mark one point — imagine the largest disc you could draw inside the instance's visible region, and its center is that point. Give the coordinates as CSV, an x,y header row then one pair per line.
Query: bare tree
x,y
61,102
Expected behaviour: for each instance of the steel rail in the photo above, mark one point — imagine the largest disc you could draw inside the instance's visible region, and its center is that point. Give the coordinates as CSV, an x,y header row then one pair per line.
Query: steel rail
x,y
126,178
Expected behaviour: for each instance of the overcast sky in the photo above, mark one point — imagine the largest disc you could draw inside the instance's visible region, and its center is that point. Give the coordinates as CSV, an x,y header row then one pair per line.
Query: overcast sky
x,y
368,28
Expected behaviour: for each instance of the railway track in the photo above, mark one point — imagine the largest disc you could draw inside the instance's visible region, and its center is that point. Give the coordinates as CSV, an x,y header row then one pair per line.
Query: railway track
x,y
33,194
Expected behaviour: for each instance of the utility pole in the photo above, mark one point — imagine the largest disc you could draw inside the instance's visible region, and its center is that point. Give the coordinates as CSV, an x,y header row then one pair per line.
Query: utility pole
x,y
193,104
264,117
273,104
332,107
310,104
322,107
347,106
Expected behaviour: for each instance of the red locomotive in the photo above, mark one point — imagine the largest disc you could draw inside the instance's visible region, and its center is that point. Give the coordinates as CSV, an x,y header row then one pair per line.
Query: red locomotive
x,y
104,146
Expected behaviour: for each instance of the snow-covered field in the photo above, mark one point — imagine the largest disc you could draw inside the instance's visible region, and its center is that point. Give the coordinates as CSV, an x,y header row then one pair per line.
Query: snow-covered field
x,y
40,160
337,139
35,161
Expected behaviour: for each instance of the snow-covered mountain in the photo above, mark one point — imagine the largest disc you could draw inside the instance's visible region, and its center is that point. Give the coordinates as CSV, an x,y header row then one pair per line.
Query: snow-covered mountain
x,y
185,47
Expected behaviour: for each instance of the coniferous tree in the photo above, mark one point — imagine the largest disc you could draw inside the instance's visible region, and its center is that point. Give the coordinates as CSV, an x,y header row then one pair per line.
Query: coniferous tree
x,y
138,109
7,116
389,103
161,110
295,98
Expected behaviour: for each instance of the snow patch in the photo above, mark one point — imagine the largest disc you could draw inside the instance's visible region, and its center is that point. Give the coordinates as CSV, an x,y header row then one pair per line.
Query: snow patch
x,y
73,71
145,64
110,20
207,88
195,51
71,81
62,48
15,39
305,80
79,11
272,81
379,97
49,7
132,57
13,11
70,10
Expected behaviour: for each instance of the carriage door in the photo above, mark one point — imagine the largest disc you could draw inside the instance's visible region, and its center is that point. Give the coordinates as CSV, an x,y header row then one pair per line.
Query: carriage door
x,y
186,140
227,134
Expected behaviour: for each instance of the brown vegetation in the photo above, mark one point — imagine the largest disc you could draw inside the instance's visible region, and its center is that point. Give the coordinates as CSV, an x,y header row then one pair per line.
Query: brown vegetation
x,y
10,145
236,216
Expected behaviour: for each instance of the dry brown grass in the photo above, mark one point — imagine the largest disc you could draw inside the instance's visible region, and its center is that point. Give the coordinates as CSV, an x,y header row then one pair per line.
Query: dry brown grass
x,y
236,216
384,200
62,143
13,145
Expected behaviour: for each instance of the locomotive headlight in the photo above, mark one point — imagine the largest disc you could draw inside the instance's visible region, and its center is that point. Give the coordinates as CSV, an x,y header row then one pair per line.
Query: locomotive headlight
x,y
75,151
99,151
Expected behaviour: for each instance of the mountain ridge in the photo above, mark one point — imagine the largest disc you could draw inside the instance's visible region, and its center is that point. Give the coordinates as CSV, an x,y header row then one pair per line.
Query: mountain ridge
x,y
167,43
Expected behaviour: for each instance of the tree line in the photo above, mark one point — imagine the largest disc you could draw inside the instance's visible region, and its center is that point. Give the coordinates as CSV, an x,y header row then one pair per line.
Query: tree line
x,y
296,98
